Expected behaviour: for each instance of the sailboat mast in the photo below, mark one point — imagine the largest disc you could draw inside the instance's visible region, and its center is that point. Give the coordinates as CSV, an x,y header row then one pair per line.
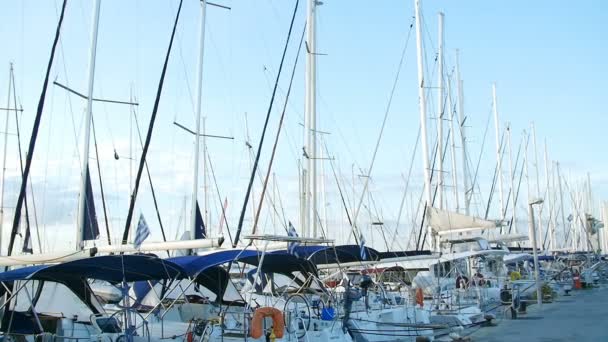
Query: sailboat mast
x,y
463,136
561,196
512,179
440,109
310,125
529,192
8,106
87,125
422,107
540,212
197,135
453,143
589,195
498,154
549,178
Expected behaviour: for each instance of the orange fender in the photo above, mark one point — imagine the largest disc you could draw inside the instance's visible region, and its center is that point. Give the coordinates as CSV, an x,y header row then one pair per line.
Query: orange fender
x,y
278,323
419,297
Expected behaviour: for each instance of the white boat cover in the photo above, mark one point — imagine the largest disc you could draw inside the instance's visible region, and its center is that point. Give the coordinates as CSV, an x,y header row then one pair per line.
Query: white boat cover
x,y
507,238
446,222
517,257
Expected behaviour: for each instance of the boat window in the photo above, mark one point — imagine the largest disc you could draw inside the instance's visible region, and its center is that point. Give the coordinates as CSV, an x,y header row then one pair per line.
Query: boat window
x,y
442,269
466,247
55,300
108,325
483,244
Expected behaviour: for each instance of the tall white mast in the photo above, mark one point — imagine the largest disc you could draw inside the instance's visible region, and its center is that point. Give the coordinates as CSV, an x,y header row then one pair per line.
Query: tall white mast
x,y
512,179
529,192
453,145
87,125
589,195
440,110
580,212
301,187
323,192
198,101
205,172
533,128
542,206
549,177
310,122
561,197
313,124
422,106
498,154
588,210
463,136
8,106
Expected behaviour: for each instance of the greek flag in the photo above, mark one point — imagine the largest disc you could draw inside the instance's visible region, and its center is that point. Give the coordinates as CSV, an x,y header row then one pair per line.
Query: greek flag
x,y
142,232
291,247
362,246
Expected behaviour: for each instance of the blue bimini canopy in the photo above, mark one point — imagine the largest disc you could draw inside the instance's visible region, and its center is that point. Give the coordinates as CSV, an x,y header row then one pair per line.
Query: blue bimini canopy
x,y
282,262
204,269
303,251
323,255
195,264
401,254
20,273
111,268
342,254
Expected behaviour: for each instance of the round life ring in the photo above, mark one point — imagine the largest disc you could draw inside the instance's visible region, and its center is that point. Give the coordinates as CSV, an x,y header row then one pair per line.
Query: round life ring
x,y
278,323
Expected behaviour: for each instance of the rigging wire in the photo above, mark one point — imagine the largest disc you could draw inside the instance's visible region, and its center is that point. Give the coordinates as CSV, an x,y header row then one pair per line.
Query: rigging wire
x,y
483,144
28,236
125,235
407,184
521,173
20,161
495,180
219,196
276,140
259,152
387,111
103,197
160,221
333,169
32,144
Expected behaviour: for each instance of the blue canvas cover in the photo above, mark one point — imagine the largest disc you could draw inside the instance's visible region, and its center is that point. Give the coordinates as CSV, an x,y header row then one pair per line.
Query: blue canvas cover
x,y
194,264
111,268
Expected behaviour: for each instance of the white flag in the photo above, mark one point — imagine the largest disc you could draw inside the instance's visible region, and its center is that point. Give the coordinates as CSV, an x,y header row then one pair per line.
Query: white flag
x,y
142,232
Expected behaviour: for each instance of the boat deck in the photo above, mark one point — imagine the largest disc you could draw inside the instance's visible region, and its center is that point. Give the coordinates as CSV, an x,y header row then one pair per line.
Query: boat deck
x,y
579,317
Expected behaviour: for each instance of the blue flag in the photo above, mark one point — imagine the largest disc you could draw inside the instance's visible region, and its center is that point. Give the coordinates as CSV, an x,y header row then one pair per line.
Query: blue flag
x,y
142,232
362,246
291,247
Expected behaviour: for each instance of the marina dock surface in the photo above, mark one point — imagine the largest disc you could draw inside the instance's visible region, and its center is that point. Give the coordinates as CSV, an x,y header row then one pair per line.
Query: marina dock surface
x,y
579,317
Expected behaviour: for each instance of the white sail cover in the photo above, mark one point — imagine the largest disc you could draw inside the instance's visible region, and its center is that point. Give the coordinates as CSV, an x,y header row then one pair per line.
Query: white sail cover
x,y
507,238
446,222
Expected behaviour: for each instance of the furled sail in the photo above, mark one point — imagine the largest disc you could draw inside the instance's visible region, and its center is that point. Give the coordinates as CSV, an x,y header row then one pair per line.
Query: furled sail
x,y
90,227
446,222
199,230
27,242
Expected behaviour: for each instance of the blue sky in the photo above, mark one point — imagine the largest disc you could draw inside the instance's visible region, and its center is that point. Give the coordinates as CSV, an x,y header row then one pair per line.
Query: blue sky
x,y
546,57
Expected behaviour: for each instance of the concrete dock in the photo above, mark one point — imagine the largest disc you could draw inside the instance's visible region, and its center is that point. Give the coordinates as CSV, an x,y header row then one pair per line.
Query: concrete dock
x,y
580,317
